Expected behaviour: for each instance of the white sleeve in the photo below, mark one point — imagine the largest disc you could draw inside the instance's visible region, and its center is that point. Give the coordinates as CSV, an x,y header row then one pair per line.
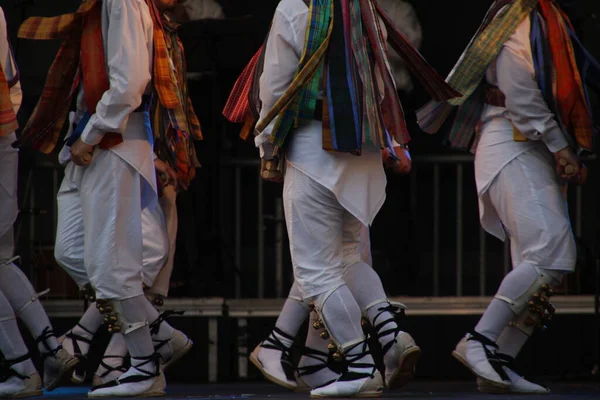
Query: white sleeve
x,y
9,66
128,67
281,62
525,103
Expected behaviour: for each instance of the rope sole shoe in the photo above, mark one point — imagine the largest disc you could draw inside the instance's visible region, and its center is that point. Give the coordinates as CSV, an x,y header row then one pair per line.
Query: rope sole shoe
x,y
274,374
347,386
487,367
131,386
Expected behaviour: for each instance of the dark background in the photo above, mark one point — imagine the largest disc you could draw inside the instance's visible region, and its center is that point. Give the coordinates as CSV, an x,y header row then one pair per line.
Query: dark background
x,y
219,49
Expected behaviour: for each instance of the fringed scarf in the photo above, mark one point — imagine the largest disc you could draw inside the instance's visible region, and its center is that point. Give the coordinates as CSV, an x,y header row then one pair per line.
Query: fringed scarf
x,y
561,63
344,47
174,121
81,59
556,51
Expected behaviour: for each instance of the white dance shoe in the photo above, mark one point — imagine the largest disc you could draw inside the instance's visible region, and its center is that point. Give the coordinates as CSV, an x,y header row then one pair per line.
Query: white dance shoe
x,y
477,353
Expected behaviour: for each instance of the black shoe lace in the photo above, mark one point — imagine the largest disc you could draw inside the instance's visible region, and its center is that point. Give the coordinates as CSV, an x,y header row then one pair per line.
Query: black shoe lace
x,y
326,360
491,356
109,368
155,327
142,376
75,339
46,334
6,370
398,313
273,343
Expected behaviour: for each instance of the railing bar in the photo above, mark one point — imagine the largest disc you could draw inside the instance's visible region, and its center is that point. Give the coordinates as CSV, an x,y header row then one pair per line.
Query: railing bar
x,y
261,240
436,230
459,229
279,247
238,232
417,159
579,211
482,261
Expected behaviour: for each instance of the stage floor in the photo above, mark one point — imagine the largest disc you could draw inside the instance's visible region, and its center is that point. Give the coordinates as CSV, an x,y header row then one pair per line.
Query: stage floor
x,y
415,391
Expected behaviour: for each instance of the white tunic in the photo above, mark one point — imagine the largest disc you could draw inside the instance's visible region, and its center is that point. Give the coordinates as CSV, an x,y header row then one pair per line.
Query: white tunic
x,y
513,73
103,202
8,155
357,182
128,52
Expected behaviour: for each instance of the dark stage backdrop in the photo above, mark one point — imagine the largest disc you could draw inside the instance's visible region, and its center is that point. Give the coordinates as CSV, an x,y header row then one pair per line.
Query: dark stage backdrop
x,y
217,50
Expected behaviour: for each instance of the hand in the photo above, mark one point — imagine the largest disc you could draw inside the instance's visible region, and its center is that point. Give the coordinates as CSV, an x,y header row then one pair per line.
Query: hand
x,y
269,170
81,153
569,168
401,166
165,175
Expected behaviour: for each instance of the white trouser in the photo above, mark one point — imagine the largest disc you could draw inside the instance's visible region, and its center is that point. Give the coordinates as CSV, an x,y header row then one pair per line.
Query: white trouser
x,y
155,243
70,244
324,237
9,163
168,204
102,201
7,245
526,197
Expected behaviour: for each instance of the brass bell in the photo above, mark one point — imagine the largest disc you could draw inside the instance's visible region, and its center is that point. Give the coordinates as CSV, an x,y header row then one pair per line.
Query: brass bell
x,y
324,335
337,356
363,322
159,302
331,346
318,324
550,292
102,310
114,329
108,309
545,287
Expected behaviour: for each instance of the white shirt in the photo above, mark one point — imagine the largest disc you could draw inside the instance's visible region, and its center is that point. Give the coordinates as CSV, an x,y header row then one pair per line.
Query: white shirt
x,y
357,182
127,33
513,72
9,208
8,64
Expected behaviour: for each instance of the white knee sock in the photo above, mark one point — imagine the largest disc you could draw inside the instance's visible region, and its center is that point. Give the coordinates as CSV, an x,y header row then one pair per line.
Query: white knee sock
x,y
12,345
87,327
313,366
515,284
292,316
137,332
341,315
511,341
115,353
161,330
23,299
367,289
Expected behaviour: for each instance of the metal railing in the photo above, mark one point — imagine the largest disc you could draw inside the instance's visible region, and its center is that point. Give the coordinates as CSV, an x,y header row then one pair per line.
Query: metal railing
x,y
438,164
427,170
